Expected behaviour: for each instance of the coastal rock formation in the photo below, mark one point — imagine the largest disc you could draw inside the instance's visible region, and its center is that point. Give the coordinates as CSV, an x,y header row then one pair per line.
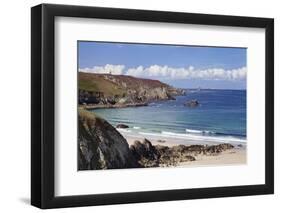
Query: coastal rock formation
x,y
148,155
192,103
203,149
117,105
144,150
107,89
101,146
122,126
218,148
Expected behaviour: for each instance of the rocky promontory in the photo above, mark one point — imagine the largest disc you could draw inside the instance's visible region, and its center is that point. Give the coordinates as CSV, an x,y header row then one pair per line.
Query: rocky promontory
x,y
122,90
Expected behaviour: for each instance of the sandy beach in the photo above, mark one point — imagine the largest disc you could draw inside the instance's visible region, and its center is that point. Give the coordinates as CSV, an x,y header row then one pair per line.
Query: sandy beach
x,y
234,156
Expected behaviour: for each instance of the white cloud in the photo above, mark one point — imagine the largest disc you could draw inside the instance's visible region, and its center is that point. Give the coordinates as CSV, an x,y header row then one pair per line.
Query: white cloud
x,y
166,72
108,69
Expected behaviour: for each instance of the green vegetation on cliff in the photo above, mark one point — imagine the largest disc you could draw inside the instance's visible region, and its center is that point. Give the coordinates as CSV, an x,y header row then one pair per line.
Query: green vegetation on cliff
x,y
122,89
97,83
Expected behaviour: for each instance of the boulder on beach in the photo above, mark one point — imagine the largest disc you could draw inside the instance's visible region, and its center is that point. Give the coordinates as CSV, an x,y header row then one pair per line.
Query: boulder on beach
x,y
149,155
192,103
122,126
143,150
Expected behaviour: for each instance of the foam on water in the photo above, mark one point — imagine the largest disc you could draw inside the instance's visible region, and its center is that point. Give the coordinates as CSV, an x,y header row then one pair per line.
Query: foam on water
x,y
201,138
136,127
123,130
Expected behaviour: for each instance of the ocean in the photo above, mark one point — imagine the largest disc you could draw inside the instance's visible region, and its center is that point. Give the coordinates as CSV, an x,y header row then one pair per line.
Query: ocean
x,y
220,116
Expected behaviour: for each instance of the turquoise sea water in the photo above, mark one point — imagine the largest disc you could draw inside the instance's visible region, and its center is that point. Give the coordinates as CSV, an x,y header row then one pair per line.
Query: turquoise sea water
x,y
221,114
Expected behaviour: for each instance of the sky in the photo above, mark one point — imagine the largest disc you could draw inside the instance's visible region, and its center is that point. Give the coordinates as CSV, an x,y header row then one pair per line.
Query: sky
x,y
179,66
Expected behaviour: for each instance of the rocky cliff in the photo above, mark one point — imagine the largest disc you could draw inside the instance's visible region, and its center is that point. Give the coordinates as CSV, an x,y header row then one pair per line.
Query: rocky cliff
x,y
101,146
122,89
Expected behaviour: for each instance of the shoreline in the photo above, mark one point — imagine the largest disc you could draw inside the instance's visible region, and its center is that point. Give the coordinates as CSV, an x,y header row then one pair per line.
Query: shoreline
x,y
235,156
173,139
110,106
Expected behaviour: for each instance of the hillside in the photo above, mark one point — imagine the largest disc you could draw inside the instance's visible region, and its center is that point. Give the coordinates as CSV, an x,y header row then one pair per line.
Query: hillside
x,y
99,83
121,89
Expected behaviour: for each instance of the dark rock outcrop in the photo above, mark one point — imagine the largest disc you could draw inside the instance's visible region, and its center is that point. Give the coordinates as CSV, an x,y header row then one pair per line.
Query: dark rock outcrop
x,y
154,156
122,126
192,103
219,148
101,146
144,150
148,155
88,97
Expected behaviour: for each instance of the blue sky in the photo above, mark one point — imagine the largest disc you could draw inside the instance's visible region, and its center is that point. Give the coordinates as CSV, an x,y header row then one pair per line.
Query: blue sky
x,y
180,66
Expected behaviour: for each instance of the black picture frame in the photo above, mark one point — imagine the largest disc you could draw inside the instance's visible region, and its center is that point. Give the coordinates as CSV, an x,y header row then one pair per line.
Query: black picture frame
x,y
43,102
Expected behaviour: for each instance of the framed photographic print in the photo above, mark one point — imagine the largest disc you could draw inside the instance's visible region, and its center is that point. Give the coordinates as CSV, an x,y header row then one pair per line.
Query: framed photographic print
x,y
140,106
